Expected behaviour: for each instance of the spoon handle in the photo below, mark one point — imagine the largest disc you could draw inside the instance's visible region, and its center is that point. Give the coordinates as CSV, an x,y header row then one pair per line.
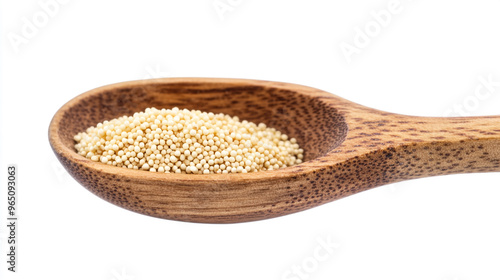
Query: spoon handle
x,y
399,147
452,145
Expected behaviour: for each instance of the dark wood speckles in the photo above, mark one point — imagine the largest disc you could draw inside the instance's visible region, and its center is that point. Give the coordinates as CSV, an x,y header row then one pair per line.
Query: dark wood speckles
x,y
348,148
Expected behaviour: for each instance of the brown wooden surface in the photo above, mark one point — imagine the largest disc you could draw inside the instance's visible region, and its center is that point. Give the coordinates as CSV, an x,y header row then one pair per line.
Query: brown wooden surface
x,y
348,148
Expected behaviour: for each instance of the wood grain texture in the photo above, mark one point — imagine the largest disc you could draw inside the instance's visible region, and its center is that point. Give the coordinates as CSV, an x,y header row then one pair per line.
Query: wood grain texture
x,y
348,148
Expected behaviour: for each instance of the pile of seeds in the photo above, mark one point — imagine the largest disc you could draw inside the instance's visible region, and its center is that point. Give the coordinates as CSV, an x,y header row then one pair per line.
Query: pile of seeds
x,y
187,141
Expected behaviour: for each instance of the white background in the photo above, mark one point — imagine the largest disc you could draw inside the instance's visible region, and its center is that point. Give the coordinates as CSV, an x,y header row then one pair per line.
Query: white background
x,y
428,59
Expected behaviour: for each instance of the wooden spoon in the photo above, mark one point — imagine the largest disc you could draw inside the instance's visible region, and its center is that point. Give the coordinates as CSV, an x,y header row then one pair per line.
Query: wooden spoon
x,y
348,148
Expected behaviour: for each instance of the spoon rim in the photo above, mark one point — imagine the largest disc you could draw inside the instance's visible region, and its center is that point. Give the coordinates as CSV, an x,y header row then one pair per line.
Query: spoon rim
x,y
305,167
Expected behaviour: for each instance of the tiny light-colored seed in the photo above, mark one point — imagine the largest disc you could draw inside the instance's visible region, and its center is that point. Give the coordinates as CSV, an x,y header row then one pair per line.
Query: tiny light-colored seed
x,y
188,141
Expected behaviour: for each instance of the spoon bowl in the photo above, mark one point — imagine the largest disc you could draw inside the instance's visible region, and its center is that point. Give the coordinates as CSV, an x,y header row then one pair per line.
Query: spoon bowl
x,y
348,148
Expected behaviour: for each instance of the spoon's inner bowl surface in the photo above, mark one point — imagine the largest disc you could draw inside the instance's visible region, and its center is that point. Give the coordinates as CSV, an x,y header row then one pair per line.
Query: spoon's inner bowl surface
x,y
317,126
